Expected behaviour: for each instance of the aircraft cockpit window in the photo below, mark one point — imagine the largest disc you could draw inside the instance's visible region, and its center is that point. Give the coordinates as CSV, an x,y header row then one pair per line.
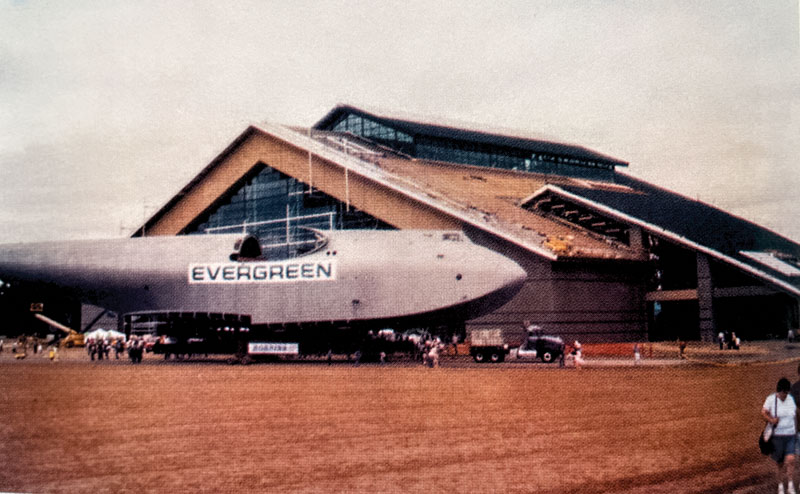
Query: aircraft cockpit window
x,y
246,249
451,237
250,248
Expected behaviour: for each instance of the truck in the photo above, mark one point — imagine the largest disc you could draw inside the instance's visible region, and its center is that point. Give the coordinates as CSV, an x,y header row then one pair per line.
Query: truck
x,y
489,345
539,345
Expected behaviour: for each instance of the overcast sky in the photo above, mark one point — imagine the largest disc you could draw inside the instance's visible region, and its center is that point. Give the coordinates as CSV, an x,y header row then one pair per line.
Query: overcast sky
x,y
108,108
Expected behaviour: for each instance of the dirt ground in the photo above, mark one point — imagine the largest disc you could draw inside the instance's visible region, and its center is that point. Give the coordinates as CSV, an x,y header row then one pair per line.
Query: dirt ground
x,y
79,426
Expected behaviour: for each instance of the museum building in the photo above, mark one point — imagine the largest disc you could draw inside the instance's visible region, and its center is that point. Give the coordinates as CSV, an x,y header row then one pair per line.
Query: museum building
x,y
609,257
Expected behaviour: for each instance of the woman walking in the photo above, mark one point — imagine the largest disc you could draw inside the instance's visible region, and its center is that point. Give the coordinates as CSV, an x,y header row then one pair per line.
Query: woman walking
x,y
780,411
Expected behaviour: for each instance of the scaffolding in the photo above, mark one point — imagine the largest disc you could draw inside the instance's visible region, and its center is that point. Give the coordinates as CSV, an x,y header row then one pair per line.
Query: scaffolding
x,y
283,237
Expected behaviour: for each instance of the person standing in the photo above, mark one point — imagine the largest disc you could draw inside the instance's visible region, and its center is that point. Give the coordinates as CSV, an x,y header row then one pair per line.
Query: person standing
x,y
681,349
139,351
637,354
577,352
780,411
721,338
433,355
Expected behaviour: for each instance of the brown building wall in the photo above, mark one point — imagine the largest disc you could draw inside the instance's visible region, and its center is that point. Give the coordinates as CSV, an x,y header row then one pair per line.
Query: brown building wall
x,y
590,302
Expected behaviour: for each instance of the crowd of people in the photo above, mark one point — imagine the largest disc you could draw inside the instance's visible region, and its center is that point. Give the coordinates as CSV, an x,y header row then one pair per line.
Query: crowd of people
x,y
728,339
424,348
431,351
99,349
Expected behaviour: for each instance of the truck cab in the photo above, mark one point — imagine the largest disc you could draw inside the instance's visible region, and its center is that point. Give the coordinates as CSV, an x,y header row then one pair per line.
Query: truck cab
x,y
539,345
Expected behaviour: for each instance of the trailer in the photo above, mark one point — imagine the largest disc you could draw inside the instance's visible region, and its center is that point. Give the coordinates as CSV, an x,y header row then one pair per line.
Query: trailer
x,y
488,345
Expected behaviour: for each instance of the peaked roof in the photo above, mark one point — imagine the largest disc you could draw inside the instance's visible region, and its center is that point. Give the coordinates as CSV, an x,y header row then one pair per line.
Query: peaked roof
x,y
446,131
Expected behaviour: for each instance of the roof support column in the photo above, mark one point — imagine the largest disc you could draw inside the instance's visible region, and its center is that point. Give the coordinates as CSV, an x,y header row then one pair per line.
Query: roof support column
x,y
636,238
705,298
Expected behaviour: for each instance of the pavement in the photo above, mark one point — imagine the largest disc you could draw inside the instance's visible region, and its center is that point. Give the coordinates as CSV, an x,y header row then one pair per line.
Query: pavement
x,y
699,353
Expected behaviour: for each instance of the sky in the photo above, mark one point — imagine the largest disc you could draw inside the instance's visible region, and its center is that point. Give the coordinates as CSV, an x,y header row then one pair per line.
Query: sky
x,y
108,108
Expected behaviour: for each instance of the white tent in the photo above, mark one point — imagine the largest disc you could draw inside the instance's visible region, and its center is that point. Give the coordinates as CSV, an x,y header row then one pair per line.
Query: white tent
x,y
104,334
97,334
115,335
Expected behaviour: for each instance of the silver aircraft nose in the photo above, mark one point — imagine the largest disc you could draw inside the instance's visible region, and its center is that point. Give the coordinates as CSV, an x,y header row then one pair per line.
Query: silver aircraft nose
x,y
510,276
498,278
515,276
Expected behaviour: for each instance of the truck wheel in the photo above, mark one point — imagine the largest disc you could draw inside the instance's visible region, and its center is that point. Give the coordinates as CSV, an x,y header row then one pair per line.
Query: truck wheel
x,y
479,357
547,357
496,357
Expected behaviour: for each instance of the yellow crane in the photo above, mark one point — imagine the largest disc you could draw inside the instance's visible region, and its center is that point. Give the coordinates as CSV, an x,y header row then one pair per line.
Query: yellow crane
x,y
73,337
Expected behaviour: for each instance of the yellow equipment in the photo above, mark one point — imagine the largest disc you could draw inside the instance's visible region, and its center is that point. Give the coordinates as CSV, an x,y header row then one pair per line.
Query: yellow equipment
x,y
73,337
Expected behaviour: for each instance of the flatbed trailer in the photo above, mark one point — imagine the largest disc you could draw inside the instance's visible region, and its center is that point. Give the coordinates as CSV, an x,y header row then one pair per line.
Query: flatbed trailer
x,y
488,345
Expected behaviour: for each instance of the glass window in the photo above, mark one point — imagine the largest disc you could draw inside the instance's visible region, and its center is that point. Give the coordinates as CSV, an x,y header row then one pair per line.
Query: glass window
x,y
271,203
472,152
371,129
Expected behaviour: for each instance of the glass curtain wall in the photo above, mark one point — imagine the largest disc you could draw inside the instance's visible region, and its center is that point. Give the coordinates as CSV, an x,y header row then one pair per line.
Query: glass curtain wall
x,y
277,208
367,128
472,153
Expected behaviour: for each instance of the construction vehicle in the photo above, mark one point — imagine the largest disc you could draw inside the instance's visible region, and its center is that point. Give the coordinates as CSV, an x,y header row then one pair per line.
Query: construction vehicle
x,y
72,339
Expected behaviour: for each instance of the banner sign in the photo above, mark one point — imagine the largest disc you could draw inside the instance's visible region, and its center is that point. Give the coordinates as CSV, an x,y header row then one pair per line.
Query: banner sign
x,y
265,348
262,272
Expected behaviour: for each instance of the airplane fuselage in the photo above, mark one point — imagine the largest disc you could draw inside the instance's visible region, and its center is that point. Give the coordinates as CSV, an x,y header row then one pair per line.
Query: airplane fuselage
x,y
354,275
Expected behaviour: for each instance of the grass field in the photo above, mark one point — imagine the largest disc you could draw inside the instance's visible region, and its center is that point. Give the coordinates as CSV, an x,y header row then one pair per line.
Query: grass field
x,y
80,426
